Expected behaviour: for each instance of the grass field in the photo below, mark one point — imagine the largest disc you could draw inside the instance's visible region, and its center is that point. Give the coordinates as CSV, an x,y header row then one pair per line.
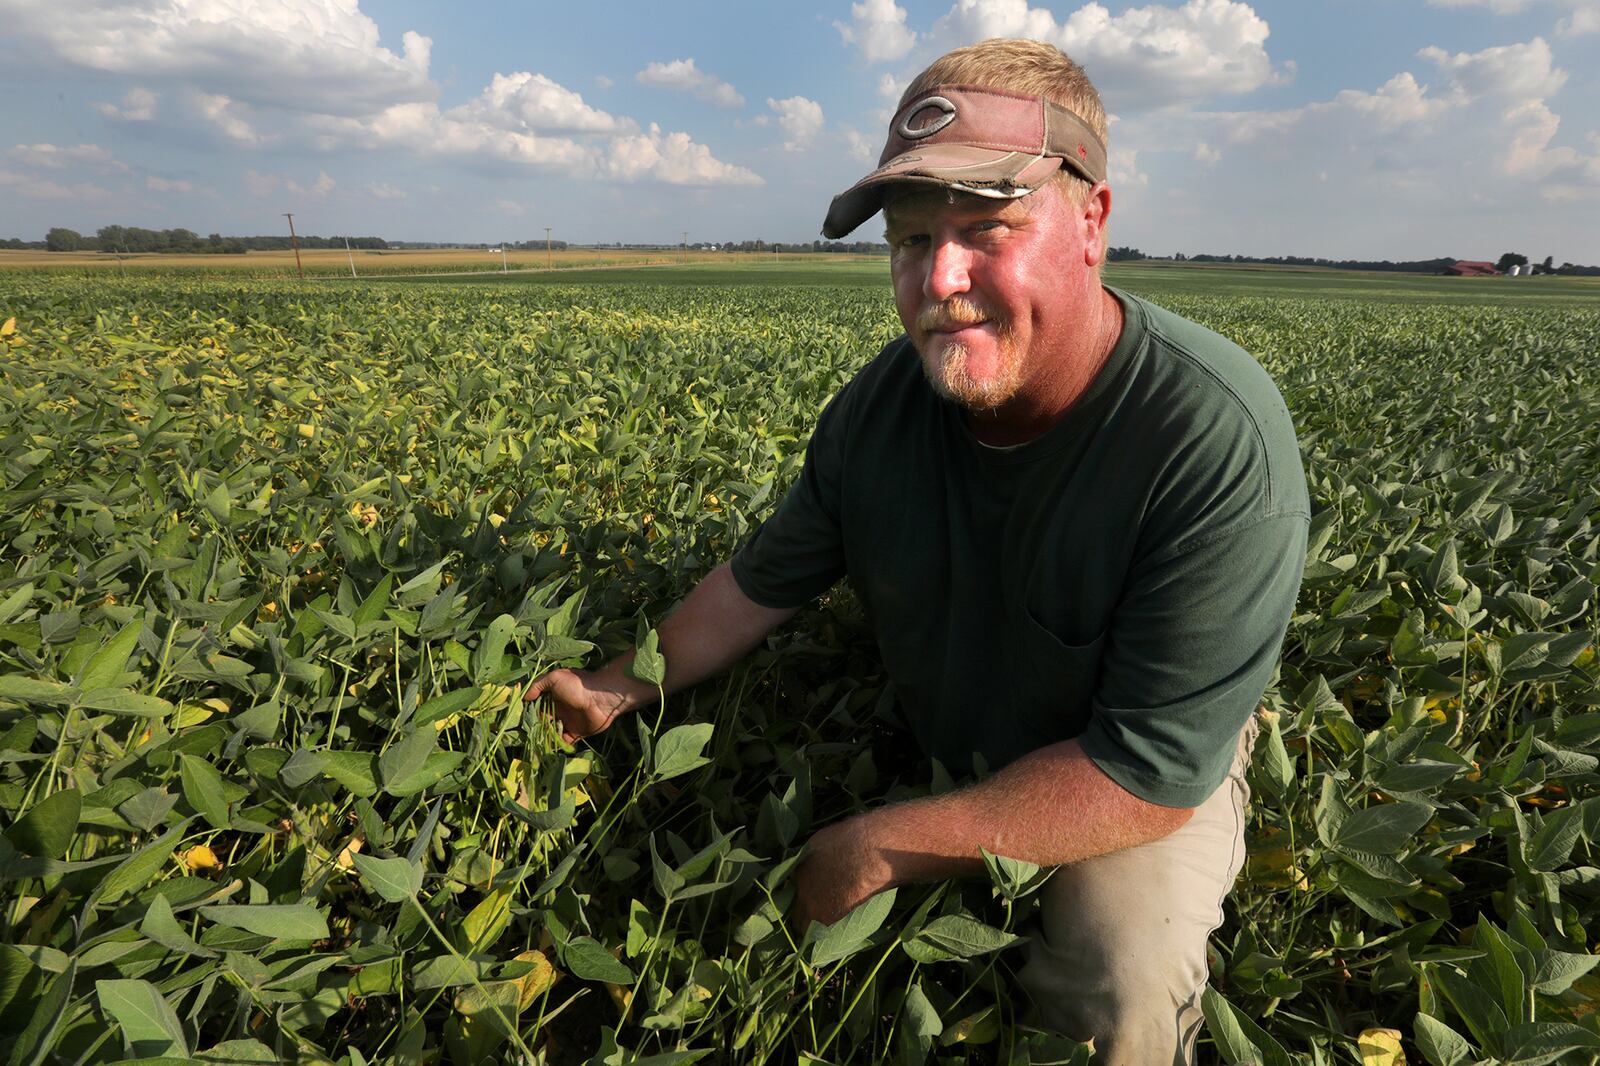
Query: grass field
x,y
329,262
276,559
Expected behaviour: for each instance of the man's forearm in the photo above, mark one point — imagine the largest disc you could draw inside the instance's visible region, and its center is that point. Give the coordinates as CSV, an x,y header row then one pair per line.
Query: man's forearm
x,y
715,626
1050,807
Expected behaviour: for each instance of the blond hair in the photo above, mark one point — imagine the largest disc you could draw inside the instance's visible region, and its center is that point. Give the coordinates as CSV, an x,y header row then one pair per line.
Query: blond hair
x,y
1022,66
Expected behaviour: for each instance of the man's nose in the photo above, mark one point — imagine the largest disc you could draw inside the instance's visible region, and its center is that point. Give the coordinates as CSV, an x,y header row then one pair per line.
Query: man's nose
x,y
948,266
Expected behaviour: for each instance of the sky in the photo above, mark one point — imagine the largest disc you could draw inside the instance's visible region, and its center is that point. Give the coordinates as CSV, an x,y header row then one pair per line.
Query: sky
x,y
1369,129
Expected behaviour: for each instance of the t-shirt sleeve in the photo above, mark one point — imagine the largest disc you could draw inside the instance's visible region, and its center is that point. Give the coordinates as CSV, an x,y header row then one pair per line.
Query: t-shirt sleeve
x,y
798,553
1189,651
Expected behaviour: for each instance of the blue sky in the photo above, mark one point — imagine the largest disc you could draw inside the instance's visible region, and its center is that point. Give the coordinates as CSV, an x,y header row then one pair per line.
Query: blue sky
x,y
1348,128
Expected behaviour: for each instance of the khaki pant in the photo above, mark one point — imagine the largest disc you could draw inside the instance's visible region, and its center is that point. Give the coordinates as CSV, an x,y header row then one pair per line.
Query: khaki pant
x,y
1119,952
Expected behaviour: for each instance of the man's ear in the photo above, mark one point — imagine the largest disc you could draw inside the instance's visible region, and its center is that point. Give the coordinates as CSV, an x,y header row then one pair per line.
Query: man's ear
x,y
1096,215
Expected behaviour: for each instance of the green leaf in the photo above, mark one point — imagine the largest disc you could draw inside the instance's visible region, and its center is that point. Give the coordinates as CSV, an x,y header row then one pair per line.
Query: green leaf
x,y
161,925
1552,844
444,706
1440,1044
1384,828
202,788
395,880
678,750
649,665
485,922
47,829
32,690
137,869
33,1043
587,959
447,971
106,666
355,770
1536,1044
1477,1008
150,1027
851,933
491,651
283,921
377,601
124,701
964,936
1240,1040
1554,971
403,761
919,1015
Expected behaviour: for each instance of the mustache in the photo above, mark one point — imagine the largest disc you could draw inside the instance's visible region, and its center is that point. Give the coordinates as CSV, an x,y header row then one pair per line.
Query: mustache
x,y
953,313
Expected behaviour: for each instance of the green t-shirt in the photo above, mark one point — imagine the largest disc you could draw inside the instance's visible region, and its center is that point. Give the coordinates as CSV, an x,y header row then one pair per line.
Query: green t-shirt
x,y
1125,578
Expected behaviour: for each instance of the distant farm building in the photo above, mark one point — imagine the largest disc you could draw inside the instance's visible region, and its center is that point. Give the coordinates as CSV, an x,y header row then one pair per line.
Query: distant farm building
x,y
1467,268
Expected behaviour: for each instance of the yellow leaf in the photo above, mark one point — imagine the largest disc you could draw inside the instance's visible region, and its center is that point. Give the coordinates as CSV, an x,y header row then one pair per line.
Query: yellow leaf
x,y
537,981
199,858
9,328
306,430
346,857
1381,1047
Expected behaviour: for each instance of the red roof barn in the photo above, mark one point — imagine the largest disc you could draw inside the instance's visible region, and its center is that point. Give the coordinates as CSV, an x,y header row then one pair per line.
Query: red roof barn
x,y
1467,268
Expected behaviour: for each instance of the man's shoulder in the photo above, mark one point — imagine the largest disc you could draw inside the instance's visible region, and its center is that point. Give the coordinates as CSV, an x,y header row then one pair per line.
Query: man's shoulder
x,y
884,383
1215,401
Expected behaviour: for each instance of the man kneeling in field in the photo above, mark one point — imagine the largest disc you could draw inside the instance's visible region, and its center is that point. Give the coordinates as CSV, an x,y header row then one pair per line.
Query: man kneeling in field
x,y
1077,523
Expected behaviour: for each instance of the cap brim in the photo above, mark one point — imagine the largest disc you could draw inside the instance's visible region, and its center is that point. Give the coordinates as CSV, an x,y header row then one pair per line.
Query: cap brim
x,y
984,171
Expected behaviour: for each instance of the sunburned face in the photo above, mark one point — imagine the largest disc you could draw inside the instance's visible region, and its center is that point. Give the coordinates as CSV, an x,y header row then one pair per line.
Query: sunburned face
x,y
982,285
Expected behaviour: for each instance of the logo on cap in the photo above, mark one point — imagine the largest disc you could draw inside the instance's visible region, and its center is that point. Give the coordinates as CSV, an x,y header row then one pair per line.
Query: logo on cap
x,y
917,133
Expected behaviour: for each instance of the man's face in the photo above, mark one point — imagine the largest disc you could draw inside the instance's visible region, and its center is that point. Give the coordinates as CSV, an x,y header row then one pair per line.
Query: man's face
x,y
984,286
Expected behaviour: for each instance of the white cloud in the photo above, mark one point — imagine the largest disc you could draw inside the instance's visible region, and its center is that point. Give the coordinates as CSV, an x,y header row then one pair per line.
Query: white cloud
x,y
138,105
1499,7
228,117
54,157
878,28
1452,166
1146,57
603,82
525,101
42,189
156,183
1585,18
627,155
1122,169
671,158
265,185
683,74
1515,71
309,55
511,207
799,118
382,190
862,148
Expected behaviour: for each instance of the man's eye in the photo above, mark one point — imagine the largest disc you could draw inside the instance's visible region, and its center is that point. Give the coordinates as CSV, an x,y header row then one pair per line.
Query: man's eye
x,y
912,240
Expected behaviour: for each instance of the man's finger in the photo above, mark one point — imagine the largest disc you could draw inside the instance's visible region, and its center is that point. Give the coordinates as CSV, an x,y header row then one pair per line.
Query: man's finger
x,y
539,687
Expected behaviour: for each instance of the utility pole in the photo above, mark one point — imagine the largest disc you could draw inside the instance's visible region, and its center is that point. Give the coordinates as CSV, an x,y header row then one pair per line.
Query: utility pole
x,y
502,257
683,248
296,242
547,264
351,256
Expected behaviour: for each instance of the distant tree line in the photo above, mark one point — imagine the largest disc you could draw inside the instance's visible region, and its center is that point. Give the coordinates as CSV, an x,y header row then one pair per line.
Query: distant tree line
x,y
1408,266
128,240
853,247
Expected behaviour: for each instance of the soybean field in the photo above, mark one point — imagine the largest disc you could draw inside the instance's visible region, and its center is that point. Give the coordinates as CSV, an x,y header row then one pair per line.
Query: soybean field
x,y
278,559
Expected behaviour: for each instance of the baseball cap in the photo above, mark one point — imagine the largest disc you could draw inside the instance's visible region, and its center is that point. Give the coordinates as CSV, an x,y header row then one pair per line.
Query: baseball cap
x,y
976,139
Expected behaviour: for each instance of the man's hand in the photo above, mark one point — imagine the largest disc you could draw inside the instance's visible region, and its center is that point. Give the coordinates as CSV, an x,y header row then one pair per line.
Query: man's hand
x,y
842,869
586,702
